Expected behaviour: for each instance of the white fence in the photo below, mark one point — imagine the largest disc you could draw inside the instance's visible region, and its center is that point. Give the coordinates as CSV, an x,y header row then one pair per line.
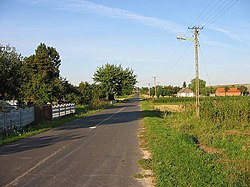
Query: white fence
x,y
62,110
17,118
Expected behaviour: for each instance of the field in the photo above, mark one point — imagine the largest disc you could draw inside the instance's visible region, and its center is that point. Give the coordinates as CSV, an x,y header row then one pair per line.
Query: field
x,y
211,151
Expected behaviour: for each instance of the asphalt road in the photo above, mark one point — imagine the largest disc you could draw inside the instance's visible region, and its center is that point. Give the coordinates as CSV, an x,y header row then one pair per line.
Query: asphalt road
x,y
99,150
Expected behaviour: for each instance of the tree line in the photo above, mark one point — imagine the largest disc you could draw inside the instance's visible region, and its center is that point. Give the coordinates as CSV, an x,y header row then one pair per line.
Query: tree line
x,y
36,79
172,90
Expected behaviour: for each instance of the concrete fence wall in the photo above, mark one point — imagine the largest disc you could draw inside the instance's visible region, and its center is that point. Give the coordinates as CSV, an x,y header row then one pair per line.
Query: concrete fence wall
x,y
17,118
22,117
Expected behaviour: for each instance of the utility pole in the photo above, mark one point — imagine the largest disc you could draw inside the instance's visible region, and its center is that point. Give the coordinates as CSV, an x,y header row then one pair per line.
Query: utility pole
x,y
197,91
155,84
149,90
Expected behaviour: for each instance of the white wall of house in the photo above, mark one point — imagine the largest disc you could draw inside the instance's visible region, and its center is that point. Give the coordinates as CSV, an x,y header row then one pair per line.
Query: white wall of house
x,y
185,94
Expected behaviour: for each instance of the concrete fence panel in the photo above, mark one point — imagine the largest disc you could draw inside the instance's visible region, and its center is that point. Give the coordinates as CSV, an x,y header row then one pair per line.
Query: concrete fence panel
x,y
16,118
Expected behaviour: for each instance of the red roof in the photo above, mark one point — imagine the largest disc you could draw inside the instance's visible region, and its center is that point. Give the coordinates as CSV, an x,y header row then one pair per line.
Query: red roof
x,y
233,90
220,90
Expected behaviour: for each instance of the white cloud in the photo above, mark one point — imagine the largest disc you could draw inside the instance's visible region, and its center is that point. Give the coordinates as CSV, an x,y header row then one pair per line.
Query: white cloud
x,y
220,44
227,32
81,6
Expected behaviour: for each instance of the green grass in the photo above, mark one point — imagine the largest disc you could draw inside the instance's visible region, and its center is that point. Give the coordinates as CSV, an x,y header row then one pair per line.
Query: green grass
x,y
33,129
124,97
177,159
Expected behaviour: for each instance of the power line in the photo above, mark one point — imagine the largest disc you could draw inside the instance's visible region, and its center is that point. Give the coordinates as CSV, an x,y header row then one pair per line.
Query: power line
x,y
178,50
201,13
203,60
182,53
211,11
214,18
207,13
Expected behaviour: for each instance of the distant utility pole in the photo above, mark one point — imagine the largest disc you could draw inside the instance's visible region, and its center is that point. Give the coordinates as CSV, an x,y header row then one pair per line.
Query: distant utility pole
x,y
149,90
196,44
155,84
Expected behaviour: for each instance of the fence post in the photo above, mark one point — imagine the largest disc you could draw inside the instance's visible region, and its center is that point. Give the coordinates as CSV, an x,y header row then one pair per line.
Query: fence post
x,y
20,118
59,107
4,120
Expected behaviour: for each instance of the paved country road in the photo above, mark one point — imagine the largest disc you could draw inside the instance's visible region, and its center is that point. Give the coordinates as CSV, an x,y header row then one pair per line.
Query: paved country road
x,y
99,150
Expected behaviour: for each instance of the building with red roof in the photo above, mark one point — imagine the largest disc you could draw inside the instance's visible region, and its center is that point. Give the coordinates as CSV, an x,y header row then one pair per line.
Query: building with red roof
x,y
229,92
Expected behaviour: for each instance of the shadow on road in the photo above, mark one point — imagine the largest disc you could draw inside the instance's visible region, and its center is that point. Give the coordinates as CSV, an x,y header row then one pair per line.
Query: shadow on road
x,y
71,130
35,143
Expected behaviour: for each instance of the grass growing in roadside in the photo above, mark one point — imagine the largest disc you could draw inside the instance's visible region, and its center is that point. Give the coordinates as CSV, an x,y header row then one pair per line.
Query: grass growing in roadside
x,y
124,97
177,158
33,129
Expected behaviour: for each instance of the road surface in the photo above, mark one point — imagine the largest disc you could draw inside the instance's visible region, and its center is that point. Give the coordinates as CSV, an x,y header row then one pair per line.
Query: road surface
x,y
99,150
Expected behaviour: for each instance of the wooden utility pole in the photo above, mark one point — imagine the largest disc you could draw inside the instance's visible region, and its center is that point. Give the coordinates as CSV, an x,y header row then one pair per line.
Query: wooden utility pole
x,y
155,84
149,90
197,90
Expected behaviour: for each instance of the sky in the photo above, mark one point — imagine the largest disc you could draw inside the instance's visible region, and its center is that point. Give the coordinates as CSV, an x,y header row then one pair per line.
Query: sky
x,y
137,34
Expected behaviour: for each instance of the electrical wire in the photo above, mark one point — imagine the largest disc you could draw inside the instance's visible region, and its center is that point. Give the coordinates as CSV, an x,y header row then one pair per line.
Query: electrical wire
x,y
212,11
208,12
203,60
208,15
201,13
219,14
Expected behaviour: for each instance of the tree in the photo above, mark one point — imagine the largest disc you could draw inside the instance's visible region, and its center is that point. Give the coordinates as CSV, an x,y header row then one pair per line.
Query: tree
x,y
86,92
144,90
115,80
41,68
202,86
243,89
159,91
226,88
37,91
184,85
210,90
10,73
63,91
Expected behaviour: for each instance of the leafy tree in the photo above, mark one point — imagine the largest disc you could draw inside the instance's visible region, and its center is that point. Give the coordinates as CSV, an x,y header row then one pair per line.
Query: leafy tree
x,y
144,90
202,86
63,91
86,92
42,68
37,91
159,91
169,90
115,80
226,89
210,90
10,73
184,85
243,89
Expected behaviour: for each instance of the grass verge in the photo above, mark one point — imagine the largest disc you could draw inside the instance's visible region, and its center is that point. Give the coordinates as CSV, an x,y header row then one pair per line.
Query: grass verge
x,y
178,158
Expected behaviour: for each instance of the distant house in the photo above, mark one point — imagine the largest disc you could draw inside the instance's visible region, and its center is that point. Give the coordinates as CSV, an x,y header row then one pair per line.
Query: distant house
x,y
229,92
220,92
185,92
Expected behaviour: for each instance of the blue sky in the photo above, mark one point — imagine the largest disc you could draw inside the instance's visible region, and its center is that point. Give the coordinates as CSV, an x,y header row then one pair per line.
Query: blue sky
x,y
138,34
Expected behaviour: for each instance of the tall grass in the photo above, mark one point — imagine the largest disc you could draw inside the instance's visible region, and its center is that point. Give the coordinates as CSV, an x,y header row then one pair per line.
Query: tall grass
x,y
191,152
227,111
174,100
